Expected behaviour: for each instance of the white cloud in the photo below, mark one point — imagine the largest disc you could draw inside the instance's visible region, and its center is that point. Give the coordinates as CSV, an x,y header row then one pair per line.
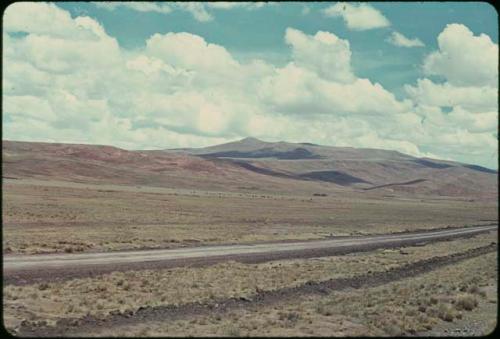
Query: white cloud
x,y
196,9
464,59
320,81
199,10
358,17
324,53
136,6
298,91
189,51
223,5
398,39
474,122
460,114
39,18
74,83
429,93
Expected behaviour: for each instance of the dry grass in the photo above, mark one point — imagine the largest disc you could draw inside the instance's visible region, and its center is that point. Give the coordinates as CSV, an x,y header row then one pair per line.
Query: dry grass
x,y
122,291
413,305
39,218
466,302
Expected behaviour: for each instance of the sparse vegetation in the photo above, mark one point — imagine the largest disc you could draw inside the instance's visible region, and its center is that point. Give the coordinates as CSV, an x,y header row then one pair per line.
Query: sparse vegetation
x,y
127,291
45,217
390,309
71,217
466,302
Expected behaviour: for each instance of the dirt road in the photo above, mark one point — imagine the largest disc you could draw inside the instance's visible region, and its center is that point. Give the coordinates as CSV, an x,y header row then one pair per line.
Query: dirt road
x,y
16,263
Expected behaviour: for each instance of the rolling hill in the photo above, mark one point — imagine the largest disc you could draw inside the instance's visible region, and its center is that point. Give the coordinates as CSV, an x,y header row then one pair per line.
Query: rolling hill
x,y
252,164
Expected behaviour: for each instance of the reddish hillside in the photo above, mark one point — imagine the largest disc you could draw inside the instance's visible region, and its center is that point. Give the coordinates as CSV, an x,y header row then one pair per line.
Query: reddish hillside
x,y
251,163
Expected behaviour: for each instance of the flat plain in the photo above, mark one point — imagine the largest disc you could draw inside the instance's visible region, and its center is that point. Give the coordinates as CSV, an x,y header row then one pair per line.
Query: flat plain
x,y
443,287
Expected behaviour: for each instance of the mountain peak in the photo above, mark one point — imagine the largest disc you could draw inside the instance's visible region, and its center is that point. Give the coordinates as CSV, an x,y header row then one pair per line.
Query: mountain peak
x,y
250,139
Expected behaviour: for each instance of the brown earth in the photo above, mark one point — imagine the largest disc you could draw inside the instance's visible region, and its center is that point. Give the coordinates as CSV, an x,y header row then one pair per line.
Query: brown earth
x,y
268,167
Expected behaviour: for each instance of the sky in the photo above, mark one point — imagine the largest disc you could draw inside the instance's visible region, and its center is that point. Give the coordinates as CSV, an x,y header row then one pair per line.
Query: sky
x,y
419,78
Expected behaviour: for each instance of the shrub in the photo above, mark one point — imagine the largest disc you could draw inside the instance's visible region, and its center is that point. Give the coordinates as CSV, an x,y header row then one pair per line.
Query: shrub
x,y
323,310
291,316
43,286
393,330
466,302
233,331
474,289
445,312
411,312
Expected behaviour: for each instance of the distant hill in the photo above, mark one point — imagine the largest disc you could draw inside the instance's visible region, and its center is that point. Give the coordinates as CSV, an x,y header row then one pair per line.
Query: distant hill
x,y
359,168
252,164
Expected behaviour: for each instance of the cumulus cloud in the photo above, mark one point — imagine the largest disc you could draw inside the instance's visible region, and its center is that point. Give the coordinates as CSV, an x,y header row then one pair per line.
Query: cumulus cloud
x,y
40,18
464,59
398,39
358,17
427,92
298,91
73,82
189,51
460,112
320,80
324,53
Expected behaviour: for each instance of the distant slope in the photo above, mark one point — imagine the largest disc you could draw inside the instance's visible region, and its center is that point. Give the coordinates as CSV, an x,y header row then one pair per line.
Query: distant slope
x,y
251,163
255,148
111,165
357,168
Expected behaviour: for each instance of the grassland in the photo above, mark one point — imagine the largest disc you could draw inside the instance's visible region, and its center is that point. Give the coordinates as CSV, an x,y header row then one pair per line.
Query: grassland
x,y
456,300
128,291
46,217
51,216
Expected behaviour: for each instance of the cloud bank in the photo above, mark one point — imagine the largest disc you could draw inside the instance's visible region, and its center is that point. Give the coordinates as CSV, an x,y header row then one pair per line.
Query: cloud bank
x,y
67,80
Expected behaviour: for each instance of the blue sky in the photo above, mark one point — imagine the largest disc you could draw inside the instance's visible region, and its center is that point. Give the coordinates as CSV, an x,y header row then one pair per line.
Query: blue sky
x,y
377,77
